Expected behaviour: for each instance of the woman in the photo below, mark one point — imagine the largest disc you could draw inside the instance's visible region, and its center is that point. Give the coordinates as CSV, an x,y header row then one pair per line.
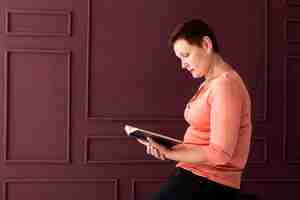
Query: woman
x,y
216,144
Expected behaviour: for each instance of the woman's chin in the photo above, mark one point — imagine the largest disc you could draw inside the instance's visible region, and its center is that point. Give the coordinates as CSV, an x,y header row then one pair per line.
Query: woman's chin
x,y
196,75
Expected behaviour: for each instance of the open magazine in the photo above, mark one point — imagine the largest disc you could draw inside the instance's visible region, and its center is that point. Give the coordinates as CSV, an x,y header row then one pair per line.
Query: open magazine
x,y
143,134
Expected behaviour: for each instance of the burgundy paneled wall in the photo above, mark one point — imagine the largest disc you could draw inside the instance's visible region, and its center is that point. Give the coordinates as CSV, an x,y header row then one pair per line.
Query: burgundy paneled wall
x,y
74,72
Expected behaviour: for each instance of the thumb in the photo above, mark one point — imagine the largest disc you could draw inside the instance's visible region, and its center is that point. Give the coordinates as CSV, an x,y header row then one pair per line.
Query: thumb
x,y
144,142
156,145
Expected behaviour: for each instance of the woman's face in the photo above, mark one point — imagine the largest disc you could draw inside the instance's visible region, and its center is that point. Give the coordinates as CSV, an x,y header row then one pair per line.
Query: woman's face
x,y
196,59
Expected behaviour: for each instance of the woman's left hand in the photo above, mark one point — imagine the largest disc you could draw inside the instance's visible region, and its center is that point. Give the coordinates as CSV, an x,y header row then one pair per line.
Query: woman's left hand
x,y
157,150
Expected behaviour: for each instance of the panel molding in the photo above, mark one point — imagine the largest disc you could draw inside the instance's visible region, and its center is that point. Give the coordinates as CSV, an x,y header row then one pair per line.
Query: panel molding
x,y
285,112
87,160
265,152
261,117
6,182
285,29
6,104
8,12
292,4
272,180
135,181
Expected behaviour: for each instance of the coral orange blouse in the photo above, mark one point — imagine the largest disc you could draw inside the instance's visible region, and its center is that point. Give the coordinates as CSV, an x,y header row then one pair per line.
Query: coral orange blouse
x,y
219,118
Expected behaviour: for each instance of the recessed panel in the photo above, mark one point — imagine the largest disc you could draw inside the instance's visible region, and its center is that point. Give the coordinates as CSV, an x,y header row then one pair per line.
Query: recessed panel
x,y
292,136
293,30
121,150
145,188
133,74
37,110
49,189
38,23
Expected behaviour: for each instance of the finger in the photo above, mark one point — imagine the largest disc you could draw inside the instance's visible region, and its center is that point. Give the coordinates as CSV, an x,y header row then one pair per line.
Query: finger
x,y
150,140
162,157
143,142
154,152
157,155
148,149
160,151
155,144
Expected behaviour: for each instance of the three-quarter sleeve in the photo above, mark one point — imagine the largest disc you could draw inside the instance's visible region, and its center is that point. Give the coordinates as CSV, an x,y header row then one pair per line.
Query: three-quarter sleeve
x,y
225,118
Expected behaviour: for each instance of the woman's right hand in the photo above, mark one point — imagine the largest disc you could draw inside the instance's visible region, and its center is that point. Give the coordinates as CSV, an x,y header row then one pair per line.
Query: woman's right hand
x,y
152,150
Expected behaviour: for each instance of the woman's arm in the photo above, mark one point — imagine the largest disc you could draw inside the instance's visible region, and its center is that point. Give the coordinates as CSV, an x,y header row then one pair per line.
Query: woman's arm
x,y
188,154
180,153
211,155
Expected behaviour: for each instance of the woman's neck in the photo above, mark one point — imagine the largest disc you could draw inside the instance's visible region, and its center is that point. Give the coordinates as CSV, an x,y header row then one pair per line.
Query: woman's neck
x,y
218,66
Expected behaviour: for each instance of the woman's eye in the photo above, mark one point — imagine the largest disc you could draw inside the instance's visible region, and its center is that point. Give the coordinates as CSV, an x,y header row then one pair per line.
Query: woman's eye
x,y
186,55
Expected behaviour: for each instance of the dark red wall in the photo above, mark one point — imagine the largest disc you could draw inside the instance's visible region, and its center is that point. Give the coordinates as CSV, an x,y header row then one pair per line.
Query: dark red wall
x,y
74,72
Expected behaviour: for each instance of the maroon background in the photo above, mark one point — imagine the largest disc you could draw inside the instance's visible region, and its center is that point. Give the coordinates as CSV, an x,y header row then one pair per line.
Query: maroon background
x,y
74,72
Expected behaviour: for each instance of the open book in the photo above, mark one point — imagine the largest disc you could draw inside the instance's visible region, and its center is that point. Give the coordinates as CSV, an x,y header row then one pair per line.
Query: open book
x,y
143,134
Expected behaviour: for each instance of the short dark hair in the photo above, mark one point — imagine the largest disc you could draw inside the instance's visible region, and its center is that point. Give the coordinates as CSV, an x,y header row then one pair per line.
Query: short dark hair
x,y
193,31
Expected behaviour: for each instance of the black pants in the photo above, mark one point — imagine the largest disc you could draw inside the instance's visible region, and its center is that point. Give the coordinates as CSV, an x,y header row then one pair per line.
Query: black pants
x,y
184,185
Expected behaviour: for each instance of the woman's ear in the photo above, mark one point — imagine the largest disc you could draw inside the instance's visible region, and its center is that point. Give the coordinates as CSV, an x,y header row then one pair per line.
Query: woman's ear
x,y
207,44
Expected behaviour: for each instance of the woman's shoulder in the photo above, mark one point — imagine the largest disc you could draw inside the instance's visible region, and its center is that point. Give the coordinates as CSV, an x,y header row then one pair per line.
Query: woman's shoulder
x,y
228,84
226,79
